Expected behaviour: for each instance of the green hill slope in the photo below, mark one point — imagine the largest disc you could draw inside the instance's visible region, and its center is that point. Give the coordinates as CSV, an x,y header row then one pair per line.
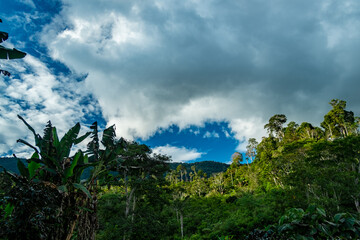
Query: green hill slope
x,y
208,167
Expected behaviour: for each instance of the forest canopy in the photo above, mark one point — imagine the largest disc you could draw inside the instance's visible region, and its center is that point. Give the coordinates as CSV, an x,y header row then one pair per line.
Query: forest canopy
x,y
299,182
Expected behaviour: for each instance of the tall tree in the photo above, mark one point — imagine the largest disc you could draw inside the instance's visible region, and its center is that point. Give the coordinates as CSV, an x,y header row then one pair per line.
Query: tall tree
x,y
339,122
275,125
236,160
251,149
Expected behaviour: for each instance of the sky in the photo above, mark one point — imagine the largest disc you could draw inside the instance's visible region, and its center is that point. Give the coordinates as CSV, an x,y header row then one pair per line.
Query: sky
x,y
192,79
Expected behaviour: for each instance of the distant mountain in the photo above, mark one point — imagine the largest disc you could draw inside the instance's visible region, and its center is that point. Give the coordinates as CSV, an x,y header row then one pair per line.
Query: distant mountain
x,y
208,167
9,164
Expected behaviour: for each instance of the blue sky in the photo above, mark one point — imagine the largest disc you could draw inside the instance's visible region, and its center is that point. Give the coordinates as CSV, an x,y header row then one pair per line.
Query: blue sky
x,y
192,79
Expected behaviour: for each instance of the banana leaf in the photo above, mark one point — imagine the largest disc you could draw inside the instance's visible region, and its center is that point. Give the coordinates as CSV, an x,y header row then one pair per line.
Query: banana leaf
x,y
5,73
70,170
3,36
67,141
23,169
82,188
33,165
38,138
8,53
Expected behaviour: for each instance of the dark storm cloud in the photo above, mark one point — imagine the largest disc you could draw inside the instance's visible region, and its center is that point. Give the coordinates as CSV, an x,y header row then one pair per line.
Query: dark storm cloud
x,y
156,63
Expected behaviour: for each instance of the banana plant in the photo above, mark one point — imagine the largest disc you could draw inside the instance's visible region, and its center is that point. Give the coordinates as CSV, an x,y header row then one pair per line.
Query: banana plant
x,y
51,160
52,166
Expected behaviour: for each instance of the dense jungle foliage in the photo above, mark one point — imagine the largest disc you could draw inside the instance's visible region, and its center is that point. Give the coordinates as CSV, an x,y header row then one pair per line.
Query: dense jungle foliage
x,y
299,182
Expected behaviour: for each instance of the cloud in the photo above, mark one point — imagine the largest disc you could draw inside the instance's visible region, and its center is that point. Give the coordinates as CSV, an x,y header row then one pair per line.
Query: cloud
x,y
195,132
244,129
153,64
38,95
30,3
212,134
178,154
226,133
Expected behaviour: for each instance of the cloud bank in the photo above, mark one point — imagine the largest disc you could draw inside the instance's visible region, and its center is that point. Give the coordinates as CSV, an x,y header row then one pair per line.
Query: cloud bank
x,y
152,64
178,154
38,96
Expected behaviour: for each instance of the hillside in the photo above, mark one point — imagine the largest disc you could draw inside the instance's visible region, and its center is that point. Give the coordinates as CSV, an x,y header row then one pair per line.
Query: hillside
x,y
208,167
9,164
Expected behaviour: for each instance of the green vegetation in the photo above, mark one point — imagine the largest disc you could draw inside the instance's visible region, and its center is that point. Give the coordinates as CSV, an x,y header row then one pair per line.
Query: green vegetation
x,y
299,182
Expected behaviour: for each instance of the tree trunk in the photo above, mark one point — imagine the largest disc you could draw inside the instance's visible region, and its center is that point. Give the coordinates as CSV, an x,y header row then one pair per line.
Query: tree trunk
x,y
133,209
182,224
88,222
356,202
127,208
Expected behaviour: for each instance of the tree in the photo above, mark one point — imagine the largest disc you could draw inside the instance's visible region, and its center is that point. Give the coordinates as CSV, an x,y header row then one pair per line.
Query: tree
x,y
275,125
136,169
339,122
181,169
54,191
251,149
236,160
217,183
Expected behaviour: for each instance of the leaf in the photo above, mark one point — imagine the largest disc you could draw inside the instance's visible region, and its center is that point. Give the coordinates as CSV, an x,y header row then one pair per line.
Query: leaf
x,y
82,188
331,223
33,165
8,53
338,216
79,169
323,228
313,231
50,170
37,136
86,209
350,221
109,136
22,169
93,145
62,188
86,159
321,212
10,174
55,137
5,73
311,209
27,144
50,161
82,138
70,170
9,209
37,160
285,227
67,141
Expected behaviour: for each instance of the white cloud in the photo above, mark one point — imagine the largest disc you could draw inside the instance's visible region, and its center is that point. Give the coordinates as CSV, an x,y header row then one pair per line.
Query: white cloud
x,y
30,3
178,154
195,132
38,96
245,129
212,134
153,64
227,134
